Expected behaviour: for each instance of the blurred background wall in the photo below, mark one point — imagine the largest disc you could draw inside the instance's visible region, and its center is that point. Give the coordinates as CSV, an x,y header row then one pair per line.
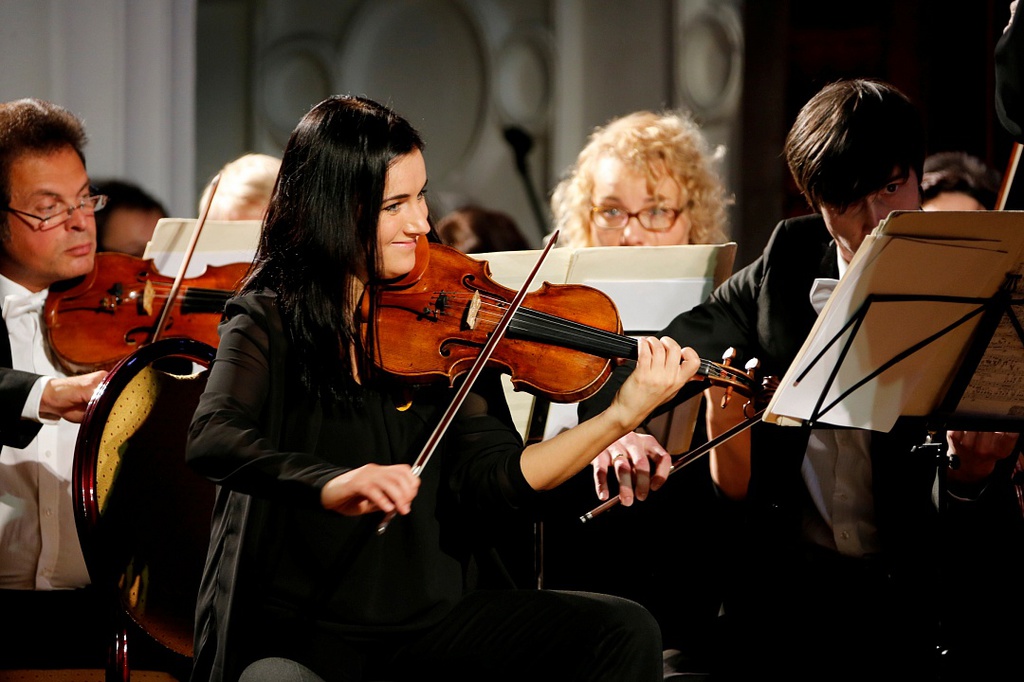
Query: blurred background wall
x,y
504,91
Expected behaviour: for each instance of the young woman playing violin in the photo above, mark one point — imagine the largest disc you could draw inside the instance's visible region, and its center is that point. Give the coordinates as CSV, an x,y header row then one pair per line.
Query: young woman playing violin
x,y
311,447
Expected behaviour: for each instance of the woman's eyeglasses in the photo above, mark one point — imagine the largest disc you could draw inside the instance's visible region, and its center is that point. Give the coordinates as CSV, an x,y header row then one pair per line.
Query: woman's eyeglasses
x,y
656,219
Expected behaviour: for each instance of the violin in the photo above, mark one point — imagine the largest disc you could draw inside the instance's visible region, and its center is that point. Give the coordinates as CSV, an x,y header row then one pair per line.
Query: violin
x,y
95,320
562,344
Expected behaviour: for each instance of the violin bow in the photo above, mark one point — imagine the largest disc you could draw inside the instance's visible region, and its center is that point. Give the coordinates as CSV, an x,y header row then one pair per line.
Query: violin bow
x,y
471,376
161,321
686,458
1008,177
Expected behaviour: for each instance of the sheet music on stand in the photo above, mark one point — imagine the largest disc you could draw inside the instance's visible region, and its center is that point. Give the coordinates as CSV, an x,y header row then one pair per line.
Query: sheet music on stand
x,y
221,242
926,321
649,285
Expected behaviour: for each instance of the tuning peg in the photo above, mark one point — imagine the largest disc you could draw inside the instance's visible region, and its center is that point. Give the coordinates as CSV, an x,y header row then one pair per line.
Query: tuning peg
x,y
753,364
727,357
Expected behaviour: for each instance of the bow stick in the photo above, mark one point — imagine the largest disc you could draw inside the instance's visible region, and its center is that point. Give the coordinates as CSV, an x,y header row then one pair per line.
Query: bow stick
x,y
161,321
472,374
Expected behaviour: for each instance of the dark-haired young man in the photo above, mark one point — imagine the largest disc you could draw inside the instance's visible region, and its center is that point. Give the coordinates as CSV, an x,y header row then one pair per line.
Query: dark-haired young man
x,y
842,570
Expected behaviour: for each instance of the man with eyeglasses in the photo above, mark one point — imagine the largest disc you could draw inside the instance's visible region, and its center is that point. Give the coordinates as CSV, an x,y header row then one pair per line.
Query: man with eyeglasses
x,y
842,568
47,234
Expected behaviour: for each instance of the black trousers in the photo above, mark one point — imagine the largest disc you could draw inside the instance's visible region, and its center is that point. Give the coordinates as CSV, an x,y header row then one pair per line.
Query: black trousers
x,y
62,629
489,635
822,616
53,629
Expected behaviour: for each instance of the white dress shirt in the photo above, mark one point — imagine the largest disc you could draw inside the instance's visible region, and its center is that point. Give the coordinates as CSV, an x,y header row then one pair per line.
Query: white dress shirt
x,y
837,474
39,549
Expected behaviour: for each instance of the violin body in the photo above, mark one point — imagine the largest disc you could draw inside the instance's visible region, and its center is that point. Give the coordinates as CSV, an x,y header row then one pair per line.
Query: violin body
x,y
435,327
94,321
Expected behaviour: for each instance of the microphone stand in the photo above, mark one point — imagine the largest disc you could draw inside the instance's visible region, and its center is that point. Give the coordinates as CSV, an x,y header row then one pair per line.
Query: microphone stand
x,y
521,143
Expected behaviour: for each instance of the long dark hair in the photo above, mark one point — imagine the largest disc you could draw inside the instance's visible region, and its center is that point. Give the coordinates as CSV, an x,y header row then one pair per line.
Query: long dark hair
x,y
320,230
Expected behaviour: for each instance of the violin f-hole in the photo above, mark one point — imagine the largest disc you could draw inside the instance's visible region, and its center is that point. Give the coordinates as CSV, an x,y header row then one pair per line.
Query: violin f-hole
x,y
137,336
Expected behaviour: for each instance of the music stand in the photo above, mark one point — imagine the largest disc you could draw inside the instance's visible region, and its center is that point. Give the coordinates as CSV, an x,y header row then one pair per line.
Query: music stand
x,y
222,242
928,315
900,340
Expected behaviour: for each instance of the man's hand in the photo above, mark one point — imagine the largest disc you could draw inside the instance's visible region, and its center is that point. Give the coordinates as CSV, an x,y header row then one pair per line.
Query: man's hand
x,y
630,459
978,452
67,397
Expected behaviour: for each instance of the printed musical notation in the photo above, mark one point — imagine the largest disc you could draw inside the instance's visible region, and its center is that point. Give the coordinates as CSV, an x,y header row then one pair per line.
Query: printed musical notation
x,y
997,386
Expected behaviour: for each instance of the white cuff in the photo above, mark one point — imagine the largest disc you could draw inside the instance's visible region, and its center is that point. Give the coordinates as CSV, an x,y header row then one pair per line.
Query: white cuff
x,y
35,397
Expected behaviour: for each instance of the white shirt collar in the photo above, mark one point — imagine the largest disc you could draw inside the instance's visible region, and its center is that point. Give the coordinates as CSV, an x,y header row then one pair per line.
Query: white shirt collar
x,y
822,287
9,286
15,298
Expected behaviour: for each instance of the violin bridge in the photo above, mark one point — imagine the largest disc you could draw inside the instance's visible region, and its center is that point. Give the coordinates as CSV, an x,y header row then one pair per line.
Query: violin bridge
x,y
147,297
472,310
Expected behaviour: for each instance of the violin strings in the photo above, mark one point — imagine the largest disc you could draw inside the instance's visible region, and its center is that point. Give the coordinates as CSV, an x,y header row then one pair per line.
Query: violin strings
x,y
195,299
197,296
569,333
494,308
610,344
164,289
585,337
714,370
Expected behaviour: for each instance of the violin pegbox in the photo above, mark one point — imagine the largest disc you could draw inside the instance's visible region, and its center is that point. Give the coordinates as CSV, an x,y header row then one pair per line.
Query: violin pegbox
x,y
728,357
749,371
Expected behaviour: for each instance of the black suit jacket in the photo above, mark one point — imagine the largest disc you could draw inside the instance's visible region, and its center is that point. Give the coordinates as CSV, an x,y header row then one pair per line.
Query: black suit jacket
x,y
15,386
